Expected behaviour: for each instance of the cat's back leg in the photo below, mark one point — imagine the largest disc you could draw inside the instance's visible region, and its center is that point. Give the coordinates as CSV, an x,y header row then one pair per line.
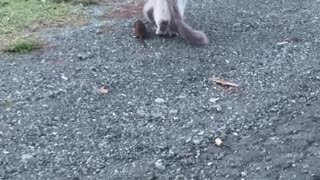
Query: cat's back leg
x,y
148,10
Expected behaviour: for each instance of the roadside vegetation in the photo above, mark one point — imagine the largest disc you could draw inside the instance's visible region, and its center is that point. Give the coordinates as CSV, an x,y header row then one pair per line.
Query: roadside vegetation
x,y
21,19
22,45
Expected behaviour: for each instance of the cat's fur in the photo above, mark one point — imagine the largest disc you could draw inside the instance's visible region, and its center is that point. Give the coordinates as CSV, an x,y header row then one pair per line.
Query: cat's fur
x,y
168,16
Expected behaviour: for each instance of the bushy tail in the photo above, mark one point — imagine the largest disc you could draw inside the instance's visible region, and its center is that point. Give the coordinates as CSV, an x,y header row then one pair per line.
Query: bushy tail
x,y
194,37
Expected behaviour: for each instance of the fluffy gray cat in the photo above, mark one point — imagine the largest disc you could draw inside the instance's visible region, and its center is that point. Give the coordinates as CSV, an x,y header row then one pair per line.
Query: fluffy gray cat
x,y
168,16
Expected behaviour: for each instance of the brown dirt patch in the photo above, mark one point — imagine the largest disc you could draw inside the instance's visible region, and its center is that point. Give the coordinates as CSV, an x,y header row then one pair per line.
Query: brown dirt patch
x,y
126,10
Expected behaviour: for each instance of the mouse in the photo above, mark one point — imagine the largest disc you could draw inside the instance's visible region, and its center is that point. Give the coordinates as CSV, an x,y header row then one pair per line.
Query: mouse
x,y
140,31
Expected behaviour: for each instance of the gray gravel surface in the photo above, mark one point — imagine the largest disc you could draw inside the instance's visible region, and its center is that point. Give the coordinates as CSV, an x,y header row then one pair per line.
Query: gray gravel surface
x,y
162,114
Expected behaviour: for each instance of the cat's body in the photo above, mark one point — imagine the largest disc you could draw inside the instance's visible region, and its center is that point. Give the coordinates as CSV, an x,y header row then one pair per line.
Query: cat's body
x,y
168,16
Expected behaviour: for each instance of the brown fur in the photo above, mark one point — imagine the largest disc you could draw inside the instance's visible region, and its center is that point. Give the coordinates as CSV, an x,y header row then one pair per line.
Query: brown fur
x,y
140,31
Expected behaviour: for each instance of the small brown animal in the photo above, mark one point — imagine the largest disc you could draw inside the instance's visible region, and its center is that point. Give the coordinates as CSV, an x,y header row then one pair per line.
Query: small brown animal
x,y
140,31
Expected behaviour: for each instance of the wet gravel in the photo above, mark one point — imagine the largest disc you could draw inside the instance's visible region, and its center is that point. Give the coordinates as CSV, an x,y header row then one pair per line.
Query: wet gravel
x,y
161,115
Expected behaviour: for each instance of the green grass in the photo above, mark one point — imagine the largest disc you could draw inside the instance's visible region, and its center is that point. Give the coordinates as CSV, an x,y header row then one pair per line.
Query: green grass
x,y
22,46
25,17
16,15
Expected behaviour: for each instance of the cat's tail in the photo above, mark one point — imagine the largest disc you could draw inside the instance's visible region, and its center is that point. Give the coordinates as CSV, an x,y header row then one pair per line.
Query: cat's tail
x,y
194,37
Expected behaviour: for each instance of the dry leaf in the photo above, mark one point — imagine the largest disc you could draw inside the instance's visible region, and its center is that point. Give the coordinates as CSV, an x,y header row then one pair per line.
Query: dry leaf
x,y
223,82
103,90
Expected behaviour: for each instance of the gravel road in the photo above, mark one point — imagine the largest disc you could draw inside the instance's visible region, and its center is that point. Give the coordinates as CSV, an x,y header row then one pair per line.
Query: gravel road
x,y
162,114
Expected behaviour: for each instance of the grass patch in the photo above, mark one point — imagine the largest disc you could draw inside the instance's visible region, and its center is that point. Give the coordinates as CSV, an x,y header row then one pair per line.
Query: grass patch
x,y
23,17
17,15
22,45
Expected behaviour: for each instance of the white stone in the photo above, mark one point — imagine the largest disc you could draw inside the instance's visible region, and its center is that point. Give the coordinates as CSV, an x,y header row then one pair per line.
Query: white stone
x,y
159,164
160,100
26,157
218,142
213,100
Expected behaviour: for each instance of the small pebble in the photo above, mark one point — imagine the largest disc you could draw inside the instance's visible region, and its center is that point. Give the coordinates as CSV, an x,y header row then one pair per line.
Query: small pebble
x,y
188,139
243,174
180,177
160,100
182,96
217,107
220,156
84,56
141,112
197,140
156,113
173,111
26,157
159,164
218,142
5,152
64,77
213,100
